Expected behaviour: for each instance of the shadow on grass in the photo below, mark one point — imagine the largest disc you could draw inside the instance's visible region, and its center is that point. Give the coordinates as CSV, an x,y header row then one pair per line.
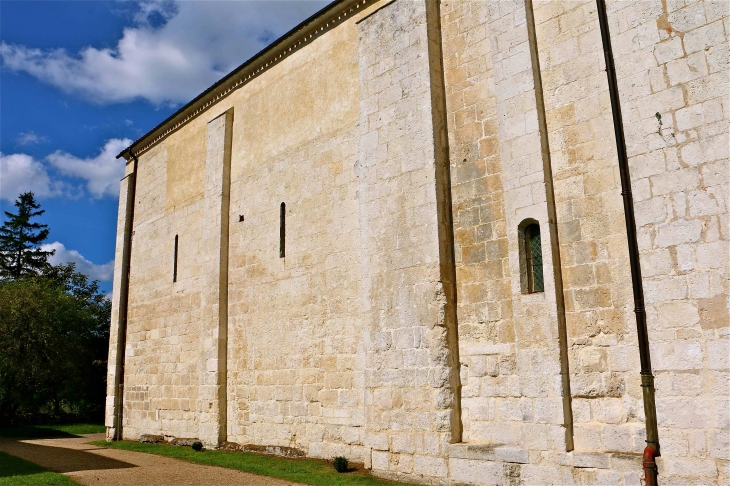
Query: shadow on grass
x,y
50,431
63,459
19,472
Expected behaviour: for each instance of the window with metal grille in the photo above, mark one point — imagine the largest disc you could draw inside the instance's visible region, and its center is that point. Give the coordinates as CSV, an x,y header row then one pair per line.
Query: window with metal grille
x,y
531,258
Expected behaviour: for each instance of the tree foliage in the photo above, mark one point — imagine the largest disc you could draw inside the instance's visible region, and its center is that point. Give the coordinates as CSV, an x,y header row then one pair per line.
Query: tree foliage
x,y
20,239
54,335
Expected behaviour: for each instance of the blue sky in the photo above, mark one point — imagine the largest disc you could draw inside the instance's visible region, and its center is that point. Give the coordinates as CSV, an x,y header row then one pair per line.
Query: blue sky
x,y
80,79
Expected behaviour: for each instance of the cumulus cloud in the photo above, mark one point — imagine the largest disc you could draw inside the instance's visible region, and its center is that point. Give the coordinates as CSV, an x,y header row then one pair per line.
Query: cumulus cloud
x,y
174,50
101,173
103,273
21,173
30,138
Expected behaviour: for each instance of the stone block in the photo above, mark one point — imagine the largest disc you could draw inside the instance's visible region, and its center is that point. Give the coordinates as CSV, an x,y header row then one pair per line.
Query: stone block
x,y
617,438
706,202
403,443
694,468
430,466
668,50
591,460
511,454
677,314
704,37
687,69
462,470
488,473
380,461
718,354
587,437
681,414
712,255
676,356
720,444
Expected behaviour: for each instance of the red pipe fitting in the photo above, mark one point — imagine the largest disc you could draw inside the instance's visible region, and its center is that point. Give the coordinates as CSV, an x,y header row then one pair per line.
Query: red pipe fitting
x,y
650,470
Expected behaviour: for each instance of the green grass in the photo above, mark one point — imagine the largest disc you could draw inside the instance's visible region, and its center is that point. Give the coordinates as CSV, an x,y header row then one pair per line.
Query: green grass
x,y
18,472
307,471
37,431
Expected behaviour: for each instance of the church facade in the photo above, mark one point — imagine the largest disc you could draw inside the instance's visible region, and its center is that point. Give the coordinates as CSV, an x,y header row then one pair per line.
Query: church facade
x,y
398,235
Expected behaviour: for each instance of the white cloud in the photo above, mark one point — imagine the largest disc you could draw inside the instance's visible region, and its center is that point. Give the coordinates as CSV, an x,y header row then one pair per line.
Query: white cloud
x,y
20,173
197,43
30,138
103,273
102,173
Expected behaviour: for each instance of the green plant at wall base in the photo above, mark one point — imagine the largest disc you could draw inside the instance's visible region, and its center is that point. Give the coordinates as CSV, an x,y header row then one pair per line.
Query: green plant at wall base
x,y
340,464
197,446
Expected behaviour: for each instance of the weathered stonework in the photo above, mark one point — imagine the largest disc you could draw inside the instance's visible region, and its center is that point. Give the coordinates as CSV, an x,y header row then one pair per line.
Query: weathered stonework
x,y
410,140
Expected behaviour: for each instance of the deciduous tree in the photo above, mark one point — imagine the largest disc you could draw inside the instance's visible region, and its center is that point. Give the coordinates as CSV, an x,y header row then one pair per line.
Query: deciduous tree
x,y
54,333
54,328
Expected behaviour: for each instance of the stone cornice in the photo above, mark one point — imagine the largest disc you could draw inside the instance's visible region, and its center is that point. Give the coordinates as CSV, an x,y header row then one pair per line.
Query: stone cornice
x,y
300,36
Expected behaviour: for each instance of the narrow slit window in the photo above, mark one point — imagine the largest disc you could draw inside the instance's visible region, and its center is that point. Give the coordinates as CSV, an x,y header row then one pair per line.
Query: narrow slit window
x,y
282,230
174,263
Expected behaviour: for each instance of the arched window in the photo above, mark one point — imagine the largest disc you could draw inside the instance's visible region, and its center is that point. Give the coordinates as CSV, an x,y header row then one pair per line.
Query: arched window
x,y
531,258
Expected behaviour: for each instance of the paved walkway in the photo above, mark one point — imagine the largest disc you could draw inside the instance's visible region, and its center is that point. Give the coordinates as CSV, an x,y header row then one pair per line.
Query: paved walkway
x,y
92,465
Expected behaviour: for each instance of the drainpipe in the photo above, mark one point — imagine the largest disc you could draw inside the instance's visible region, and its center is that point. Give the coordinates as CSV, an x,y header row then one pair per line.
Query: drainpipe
x,y
647,378
124,302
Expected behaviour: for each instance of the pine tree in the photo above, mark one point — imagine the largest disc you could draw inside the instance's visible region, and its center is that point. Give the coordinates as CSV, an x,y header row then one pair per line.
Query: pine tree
x,y
20,240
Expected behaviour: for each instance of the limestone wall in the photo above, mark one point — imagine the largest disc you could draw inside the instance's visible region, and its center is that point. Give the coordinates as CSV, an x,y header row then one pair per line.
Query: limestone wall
x,y
672,59
655,79
117,331
603,346
409,144
295,372
408,313
485,308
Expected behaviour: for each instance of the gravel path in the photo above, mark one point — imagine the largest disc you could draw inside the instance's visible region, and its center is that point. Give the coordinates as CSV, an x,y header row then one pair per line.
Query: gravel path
x,y
92,465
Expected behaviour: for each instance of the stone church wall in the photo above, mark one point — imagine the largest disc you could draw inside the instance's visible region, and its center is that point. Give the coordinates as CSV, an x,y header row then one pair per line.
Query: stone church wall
x,y
295,336
410,144
677,65
164,321
408,289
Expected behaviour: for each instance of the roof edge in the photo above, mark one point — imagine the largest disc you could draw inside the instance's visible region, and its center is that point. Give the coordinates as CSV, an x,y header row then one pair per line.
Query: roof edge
x,y
321,22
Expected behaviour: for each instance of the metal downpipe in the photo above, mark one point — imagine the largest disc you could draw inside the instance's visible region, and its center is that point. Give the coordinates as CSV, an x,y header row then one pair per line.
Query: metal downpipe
x,y
647,378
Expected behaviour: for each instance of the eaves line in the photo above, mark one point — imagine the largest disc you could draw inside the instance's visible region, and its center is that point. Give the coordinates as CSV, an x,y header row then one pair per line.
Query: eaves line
x,y
300,36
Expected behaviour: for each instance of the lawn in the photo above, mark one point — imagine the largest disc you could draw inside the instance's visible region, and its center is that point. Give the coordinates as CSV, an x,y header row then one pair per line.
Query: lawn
x,y
38,431
306,471
18,472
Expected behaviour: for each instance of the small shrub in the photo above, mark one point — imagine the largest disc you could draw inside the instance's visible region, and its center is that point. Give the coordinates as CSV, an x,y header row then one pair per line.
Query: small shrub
x,y
197,446
340,463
